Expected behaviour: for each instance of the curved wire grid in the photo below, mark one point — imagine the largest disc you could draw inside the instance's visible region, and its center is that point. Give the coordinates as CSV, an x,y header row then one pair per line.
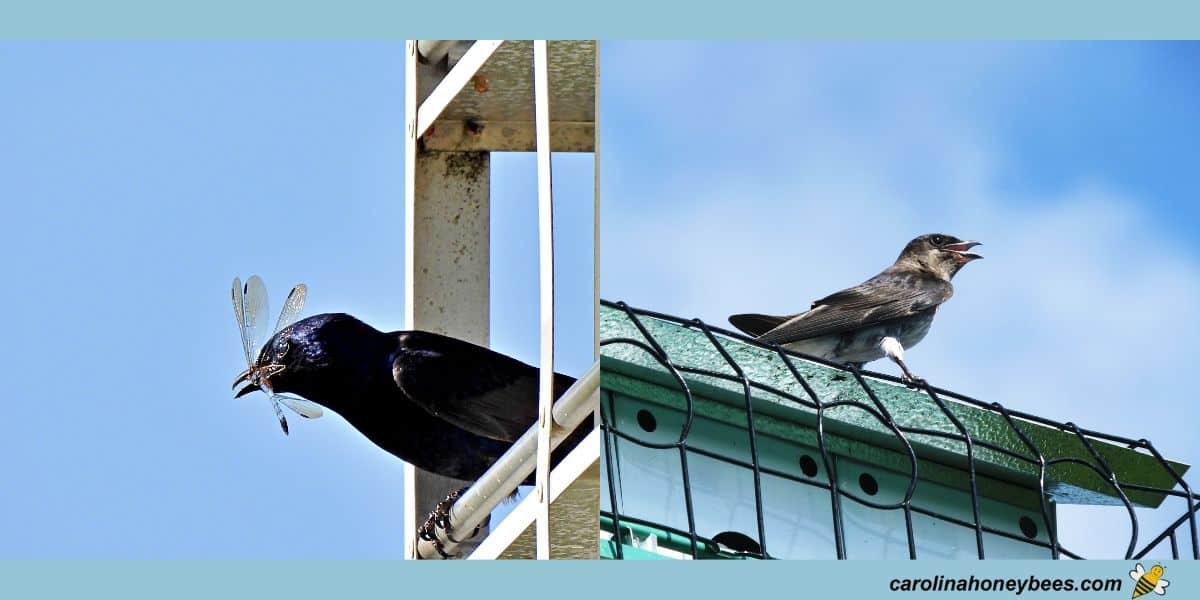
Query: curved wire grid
x,y
877,410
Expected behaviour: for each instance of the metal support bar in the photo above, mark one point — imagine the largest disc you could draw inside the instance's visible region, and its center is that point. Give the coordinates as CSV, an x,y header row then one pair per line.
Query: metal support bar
x,y
410,175
541,102
596,222
508,136
571,470
446,263
474,506
454,81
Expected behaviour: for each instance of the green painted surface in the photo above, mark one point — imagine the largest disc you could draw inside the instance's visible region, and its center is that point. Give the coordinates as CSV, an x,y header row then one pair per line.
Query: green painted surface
x,y
608,552
664,538
854,432
797,514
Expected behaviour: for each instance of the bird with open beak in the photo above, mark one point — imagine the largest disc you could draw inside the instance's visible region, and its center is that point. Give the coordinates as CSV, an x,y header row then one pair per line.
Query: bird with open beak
x,y
879,317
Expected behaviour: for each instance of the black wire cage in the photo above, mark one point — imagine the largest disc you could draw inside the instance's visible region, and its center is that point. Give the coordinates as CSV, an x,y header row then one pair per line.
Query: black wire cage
x,y
717,446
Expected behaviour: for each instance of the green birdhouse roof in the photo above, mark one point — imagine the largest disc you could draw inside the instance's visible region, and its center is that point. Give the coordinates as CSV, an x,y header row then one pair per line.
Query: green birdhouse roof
x,y
873,417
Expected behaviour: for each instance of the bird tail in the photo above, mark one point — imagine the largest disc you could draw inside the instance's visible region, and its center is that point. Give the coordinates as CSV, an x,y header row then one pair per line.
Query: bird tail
x,y
755,324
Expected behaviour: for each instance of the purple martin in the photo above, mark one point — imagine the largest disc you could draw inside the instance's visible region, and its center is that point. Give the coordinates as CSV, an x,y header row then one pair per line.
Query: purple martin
x,y
879,317
442,404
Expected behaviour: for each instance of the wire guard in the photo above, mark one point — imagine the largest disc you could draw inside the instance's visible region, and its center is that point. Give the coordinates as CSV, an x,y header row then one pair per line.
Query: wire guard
x,y
1036,459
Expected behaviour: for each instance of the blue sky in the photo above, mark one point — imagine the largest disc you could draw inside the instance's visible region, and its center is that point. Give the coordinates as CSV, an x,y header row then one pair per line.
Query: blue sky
x,y
756,177
138,179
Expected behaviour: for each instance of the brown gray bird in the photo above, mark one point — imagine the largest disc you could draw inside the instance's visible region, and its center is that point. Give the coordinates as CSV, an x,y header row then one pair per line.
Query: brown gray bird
x,y
879,317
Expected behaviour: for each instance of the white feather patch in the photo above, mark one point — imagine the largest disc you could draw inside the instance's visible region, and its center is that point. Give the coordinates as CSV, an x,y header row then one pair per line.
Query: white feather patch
x,y
892,348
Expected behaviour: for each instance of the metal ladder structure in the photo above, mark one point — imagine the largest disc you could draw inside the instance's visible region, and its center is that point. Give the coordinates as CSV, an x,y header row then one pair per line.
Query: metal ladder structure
x,y
465,99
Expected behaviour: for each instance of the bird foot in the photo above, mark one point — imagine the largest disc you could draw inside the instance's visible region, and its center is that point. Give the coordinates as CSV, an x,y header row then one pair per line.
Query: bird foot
x,y
440,518
914,382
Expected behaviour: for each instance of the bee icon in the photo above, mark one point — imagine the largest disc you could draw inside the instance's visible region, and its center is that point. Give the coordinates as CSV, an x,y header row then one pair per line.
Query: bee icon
x,y
1148,580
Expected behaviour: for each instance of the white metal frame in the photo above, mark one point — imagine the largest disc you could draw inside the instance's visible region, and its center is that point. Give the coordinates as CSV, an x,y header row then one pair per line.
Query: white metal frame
x,y
446,255
410,196
441,97
555,419
541,101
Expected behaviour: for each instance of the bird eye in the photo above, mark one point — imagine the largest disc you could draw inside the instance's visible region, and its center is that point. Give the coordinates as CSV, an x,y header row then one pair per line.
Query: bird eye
x,y
937,240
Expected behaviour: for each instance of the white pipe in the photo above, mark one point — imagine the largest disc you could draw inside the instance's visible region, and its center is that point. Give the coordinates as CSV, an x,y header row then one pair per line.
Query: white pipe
x,y
433,51
541,105
576,404
566,472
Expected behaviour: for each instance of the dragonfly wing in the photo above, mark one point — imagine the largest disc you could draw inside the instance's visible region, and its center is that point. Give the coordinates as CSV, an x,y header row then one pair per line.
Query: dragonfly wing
x,y
279,415
239,311
300,406
291,307
255,314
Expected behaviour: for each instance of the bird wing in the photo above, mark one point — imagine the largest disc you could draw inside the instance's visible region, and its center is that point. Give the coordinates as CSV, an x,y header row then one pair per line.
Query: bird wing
x,y
472,387
881,298
755,324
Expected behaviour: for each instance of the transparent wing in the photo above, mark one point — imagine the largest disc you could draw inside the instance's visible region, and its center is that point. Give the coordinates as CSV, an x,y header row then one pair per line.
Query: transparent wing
x,y
239,311
291,307
300,406
255,314
279,414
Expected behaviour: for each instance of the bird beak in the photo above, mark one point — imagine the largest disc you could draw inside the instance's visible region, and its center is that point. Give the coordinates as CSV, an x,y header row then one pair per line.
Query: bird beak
x,y
961,249
257,378
247,377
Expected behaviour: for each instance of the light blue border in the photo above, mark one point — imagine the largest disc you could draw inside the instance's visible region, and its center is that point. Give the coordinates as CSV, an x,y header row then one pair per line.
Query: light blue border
x,y
223,19
732,580
612,19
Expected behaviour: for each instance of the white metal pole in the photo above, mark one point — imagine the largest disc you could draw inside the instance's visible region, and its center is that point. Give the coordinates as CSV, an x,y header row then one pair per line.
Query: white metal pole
x,y
546,261
447,255
410,195
596,220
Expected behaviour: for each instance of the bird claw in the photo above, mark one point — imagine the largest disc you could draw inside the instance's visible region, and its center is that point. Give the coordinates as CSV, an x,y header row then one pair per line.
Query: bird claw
x,y
914,382
440,518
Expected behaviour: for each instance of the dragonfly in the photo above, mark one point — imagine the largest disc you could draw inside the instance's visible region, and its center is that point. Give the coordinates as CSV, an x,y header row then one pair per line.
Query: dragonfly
x,y
250,308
